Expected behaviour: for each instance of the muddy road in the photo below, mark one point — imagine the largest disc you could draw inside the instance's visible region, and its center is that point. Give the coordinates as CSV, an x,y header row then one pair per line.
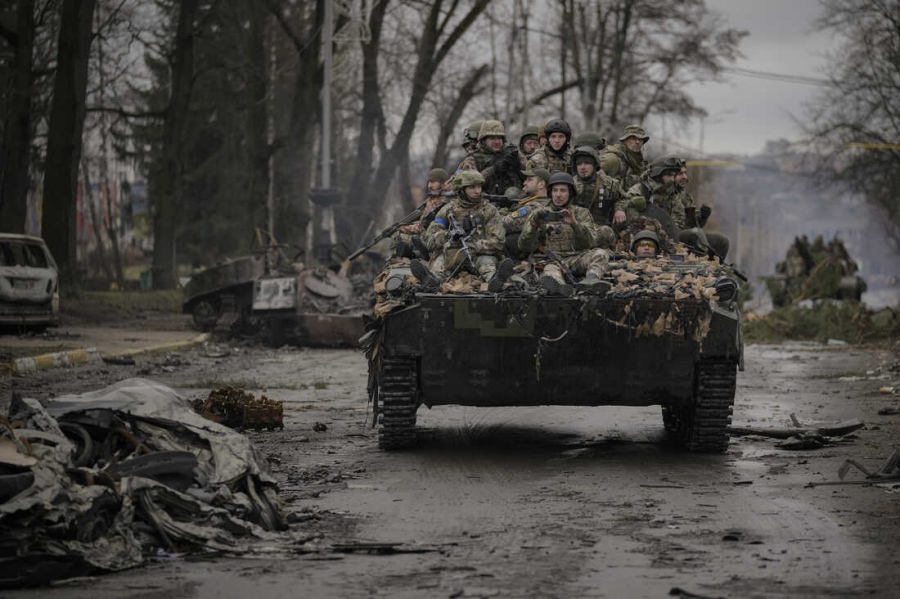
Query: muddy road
x,y
543,502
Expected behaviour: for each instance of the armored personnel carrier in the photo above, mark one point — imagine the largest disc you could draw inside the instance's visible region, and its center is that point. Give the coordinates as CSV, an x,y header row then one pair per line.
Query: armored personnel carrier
x,y
667,333
813,271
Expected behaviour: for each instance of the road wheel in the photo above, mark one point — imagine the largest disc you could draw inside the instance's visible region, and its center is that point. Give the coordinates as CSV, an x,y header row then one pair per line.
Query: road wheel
x,y
399,399
206,314
702,426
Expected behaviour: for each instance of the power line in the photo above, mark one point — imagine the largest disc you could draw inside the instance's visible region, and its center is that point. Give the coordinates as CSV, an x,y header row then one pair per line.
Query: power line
x,y
801,79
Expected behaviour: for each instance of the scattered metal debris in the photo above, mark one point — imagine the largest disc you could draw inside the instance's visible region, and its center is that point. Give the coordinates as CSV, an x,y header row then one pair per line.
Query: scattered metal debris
x,y
95,481
889,470
236,408
835,430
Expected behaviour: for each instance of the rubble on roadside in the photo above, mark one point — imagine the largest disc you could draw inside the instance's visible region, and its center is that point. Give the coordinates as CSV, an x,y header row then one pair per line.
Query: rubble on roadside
x,y
95,482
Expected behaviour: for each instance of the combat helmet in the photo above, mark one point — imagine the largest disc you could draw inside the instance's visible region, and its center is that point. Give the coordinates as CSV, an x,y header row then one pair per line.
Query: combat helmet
x,y
664,164
559,126
467,178
530,131
589,138
645,234
562,177
588,151
470,133
491,128
438,174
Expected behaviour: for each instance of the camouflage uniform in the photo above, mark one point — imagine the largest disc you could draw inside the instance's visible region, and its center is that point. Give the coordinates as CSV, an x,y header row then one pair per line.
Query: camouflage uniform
x,y
553,161
623,165
485,241
601,195
577,247
649,191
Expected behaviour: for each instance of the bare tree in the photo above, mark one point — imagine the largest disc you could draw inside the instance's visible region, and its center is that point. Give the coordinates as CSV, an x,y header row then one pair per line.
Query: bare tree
x,y
64,137
854,124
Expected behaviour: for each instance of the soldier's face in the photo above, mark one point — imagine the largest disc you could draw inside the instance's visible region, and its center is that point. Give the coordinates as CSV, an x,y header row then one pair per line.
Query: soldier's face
x,y
681,179
530,186
435,186
585,169
530,145
645,249
557,140
494,142
634,144
542,140
560,195
668,178
473,192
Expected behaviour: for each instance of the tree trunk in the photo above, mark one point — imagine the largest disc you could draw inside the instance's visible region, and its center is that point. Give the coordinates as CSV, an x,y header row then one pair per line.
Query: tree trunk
x,y
257,120
87,197
14,156
171,184
467,92
64,135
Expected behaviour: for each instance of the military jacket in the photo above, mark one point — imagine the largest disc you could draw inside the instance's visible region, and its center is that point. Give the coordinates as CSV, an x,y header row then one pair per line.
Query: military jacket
x,y
514,220
562,239
621,164
668,198
602,195
481,220
546,158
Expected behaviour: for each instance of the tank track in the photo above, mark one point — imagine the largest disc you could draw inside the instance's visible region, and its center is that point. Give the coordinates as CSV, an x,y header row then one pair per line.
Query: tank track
x,y
398,398
703,426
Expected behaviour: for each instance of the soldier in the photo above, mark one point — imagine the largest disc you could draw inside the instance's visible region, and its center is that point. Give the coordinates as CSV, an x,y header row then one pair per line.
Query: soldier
x,y
407,242
645,244
556,155
535,188
625,160
470,136
466,234
491,139
597,191
657,186
719,243
529,143
591,139
563,239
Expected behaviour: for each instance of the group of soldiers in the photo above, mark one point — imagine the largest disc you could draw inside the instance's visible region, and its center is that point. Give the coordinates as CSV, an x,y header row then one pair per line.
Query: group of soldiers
x,y
564,206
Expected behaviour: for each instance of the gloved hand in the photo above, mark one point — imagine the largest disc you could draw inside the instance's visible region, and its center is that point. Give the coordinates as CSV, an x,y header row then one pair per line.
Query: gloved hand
x,y
638,203
705,211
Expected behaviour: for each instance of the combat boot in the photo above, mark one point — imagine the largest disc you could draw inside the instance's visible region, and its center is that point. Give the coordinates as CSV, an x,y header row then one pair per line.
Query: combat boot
x,y
553,287
419,248
505,270
427,280
591,283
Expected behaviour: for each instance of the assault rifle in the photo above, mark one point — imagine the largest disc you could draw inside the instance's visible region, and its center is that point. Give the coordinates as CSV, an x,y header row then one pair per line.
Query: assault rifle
x,y
500,201
409,219
567,273
457,233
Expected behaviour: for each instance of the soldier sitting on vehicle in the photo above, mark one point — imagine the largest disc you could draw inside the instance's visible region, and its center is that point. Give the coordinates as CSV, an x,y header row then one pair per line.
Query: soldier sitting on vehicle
x,y
535,188
564,241
597,191
467,234
717,241
624,161
556,155
529,143
407,242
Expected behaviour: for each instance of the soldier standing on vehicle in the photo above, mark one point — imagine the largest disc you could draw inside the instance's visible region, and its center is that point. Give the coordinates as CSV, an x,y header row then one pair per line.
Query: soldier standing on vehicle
x,y
467,234
556,155
698,218
595,190
625,160
564,241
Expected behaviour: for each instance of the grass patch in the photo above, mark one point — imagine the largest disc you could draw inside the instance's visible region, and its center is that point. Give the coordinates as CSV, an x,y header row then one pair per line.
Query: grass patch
x,y
846,321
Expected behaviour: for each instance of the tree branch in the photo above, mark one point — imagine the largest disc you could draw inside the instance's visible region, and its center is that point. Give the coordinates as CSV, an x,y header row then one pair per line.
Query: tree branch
x,y
150,114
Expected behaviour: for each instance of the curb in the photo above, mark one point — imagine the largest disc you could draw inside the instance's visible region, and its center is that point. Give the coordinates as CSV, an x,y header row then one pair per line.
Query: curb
x,y
91,355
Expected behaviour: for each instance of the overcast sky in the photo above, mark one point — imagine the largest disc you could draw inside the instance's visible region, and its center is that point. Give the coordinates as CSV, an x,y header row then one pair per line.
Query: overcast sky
x,y
745,112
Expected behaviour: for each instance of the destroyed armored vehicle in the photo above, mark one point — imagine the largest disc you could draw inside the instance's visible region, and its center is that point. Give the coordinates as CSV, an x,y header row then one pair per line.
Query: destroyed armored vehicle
x,y
814,271
667,333
284,303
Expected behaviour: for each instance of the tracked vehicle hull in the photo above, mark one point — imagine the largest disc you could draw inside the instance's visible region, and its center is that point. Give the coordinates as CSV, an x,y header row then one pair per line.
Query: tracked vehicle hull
x,y
532,350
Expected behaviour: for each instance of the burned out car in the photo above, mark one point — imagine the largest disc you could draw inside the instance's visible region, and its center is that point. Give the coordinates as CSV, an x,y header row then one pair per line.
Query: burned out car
x,y
29,282
667,332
